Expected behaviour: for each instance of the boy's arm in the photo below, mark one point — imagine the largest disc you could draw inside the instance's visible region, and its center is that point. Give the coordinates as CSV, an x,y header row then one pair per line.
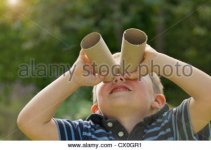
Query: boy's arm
x,y
193,81
36,118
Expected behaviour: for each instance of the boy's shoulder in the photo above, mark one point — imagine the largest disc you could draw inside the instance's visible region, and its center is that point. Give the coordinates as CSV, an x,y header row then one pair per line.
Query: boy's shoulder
x,y
182,126
82,130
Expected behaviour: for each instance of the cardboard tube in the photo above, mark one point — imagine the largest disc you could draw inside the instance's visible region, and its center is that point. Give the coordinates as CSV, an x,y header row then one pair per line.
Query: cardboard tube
x,y
99,54
132,49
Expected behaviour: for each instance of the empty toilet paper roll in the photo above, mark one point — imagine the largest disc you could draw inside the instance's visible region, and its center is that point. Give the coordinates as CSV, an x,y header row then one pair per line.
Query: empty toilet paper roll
x,y
132,49
99,54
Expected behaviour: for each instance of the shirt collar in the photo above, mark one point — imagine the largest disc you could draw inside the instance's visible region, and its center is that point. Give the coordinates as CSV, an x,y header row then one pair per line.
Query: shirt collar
x,y
99,119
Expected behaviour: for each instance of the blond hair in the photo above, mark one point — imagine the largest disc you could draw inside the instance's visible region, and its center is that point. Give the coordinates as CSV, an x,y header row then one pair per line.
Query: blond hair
x,y
155,79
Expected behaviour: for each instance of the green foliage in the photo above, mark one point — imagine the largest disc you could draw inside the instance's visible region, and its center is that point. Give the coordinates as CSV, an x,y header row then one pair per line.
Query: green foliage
x,y
50,32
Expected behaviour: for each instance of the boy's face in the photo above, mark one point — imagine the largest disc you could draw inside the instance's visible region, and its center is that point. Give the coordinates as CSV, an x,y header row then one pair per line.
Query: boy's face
x,y
131,95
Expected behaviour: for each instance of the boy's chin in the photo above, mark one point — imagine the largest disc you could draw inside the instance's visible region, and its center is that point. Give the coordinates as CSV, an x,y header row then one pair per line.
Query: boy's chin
x,y
120,94
121,101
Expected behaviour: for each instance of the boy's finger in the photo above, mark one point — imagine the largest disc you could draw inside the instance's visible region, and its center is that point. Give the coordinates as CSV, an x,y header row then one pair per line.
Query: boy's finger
x,y
82,52
143,71
100,76
132,75
96,79
85,58
127,76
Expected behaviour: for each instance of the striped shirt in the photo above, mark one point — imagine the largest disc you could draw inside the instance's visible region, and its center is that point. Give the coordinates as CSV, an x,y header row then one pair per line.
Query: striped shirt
x,y
173,124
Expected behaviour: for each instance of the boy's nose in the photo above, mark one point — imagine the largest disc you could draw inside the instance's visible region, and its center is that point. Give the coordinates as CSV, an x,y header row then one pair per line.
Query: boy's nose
x,y
118,79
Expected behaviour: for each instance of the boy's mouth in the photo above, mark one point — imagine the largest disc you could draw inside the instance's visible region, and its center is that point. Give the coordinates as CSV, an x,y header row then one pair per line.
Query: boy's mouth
x,y
119,88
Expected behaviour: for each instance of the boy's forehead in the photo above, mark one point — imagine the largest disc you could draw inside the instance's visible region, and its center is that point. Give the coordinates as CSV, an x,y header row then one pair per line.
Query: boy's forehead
x,y
147,78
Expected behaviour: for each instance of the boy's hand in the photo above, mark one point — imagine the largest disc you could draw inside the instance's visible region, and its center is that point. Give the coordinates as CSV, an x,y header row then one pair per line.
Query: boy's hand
x,y
83,72
145,66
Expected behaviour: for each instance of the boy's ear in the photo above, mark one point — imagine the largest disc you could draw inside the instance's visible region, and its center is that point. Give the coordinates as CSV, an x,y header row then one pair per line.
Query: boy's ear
x,y
159,101
94,108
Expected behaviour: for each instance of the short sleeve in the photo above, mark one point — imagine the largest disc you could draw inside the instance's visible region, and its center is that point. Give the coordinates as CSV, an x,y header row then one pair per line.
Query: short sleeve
x,y
69,130
182,126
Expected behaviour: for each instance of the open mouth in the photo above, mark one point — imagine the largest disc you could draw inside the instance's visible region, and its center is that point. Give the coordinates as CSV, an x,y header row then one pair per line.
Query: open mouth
x,y
119,88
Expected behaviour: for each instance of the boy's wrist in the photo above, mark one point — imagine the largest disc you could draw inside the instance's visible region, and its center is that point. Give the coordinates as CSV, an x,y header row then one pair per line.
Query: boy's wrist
x,y
70,78
164,65
74,83
155,65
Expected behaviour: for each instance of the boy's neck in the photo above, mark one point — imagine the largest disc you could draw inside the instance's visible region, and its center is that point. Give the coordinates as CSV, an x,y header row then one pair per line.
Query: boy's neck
x,y
129,120
129,123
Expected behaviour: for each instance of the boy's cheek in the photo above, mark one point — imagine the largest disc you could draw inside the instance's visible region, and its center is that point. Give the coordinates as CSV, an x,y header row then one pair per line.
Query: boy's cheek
x,y
103,89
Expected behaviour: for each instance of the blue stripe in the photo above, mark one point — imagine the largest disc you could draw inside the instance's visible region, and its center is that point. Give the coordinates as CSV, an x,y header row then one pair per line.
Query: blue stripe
x,y
209,131
169,115
164,123
158,127
57,125
79,133
71,129
184,123
176,124
154,129
161,120
93,130
87,126
189,120
65,131
93,136
78,128
157,121
173,124
99,131
160,134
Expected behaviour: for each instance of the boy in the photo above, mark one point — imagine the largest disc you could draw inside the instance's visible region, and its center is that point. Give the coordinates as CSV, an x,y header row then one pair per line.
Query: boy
x,y
129,107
